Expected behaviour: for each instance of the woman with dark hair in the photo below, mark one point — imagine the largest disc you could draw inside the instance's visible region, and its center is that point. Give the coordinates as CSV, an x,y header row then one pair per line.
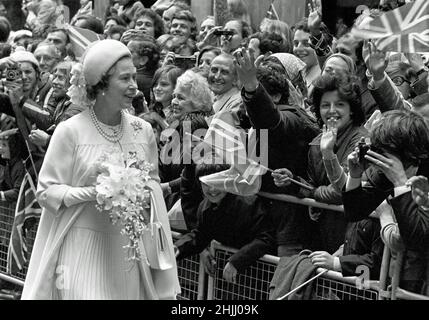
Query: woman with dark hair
x,y
164,82
337,106
72,233
150,23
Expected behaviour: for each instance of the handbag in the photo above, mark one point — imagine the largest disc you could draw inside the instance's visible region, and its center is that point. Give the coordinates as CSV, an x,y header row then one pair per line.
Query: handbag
x,y
158,251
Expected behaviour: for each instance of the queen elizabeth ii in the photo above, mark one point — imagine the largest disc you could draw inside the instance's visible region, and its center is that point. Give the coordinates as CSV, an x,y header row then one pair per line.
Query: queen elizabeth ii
x,y
78,253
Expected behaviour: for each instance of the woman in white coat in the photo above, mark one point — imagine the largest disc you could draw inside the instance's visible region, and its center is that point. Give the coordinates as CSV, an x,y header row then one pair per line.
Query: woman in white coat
x,y
78,253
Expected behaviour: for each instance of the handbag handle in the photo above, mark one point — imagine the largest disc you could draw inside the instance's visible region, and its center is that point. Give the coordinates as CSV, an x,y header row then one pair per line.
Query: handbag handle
x,y
155,192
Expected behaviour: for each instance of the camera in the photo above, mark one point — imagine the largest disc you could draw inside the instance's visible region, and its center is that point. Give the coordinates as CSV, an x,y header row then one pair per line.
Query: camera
x,y
363,147
12,74
185,58
219,33
185,62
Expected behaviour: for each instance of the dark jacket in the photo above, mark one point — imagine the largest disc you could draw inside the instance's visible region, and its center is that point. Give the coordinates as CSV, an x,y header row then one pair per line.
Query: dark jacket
x,y
290,130
238,222
329,231
387,97
362,247
191,196
13,176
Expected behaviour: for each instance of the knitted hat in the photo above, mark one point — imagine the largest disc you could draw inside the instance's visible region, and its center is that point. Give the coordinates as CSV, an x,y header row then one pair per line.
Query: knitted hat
x,y
100,57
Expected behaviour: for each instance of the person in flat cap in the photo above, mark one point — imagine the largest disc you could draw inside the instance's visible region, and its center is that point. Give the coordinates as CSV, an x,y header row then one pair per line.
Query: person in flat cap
x,y
72,233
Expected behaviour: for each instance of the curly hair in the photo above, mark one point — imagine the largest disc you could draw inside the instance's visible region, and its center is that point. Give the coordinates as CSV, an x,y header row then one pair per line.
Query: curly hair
x,y
199,92
280,28
348,90
273,78
158,23
147,47
274,43
404,134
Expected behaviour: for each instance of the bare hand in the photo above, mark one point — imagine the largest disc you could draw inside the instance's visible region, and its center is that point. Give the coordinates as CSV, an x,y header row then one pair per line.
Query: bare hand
x,y
209,262
14,91
314,17
282,177
230,273
210,39
322,259
356,168
390,165
419,190
327,142
376,62
169,59
7,63
246,68
39,137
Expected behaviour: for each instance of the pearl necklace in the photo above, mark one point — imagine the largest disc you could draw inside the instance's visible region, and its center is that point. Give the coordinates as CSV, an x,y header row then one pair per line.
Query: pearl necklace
x,y
116,136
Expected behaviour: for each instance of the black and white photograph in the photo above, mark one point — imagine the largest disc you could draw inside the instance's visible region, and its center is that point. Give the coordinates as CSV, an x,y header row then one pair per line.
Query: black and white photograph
x,y
217,155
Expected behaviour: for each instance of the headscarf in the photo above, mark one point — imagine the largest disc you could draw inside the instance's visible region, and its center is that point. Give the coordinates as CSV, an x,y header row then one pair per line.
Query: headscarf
x,y
349,61
293,67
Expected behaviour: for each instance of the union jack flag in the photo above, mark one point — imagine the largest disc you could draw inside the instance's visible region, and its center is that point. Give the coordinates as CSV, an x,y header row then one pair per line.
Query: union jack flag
x,y
81,38
27,209
229,143
405,29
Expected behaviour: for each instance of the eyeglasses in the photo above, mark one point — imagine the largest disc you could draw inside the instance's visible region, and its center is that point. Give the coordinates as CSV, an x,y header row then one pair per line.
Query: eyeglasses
x,y
398,81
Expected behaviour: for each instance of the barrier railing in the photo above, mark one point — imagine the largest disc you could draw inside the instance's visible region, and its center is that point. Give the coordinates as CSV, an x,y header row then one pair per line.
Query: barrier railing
x,y
252,284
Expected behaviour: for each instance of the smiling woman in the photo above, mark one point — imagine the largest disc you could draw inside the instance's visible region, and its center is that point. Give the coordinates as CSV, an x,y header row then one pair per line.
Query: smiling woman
x,y
72,233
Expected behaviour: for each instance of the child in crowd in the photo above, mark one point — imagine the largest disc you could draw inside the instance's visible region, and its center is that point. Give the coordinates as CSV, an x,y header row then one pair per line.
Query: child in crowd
x,y
233,220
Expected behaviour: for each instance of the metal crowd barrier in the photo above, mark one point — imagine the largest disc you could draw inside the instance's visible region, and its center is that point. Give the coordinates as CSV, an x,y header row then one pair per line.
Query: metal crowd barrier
x,y
253,284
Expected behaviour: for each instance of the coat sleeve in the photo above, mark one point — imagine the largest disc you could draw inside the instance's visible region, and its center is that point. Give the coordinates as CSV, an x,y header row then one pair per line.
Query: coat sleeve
x,y
359,203
190,197
71,111
371,259
264,114
387,96
412,220
54,187
195,241
17,175
5,105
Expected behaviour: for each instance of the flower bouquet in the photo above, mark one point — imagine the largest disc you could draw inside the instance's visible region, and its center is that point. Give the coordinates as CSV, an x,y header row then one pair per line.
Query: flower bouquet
x,y
121,191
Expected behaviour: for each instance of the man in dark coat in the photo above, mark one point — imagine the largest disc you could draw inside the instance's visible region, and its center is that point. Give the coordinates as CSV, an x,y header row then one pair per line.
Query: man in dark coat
x,y
290,130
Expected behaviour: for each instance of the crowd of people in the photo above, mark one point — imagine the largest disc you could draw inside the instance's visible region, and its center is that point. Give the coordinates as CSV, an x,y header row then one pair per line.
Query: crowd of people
x,y
346,124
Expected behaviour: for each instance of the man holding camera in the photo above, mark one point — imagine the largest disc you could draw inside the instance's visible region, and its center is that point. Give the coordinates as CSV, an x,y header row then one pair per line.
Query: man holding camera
x,y
378,177
19,90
